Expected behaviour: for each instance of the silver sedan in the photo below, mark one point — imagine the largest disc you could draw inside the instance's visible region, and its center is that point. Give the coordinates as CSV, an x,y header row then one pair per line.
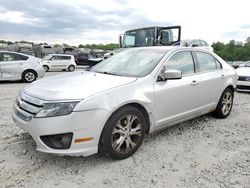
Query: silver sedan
x,y
110,107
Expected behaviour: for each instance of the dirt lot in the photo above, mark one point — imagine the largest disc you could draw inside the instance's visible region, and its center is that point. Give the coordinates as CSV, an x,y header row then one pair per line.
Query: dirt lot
x,y
205,152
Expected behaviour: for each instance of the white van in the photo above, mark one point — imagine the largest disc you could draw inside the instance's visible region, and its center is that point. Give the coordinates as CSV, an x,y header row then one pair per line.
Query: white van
x,y
59,62
18,66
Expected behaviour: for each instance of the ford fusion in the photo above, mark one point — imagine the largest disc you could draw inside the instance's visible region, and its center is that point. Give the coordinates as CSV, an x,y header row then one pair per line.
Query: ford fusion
x,y
110,107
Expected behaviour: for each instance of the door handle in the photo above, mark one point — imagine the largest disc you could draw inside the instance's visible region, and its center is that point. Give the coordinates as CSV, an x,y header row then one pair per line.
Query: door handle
x,y
222,76
194,83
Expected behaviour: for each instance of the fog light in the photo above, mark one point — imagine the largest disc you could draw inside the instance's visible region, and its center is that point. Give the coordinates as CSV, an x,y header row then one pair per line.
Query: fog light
x,y
58,141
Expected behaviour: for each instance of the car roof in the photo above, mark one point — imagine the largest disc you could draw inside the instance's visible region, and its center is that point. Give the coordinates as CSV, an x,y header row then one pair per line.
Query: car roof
x,y
173,48
61,54
5,51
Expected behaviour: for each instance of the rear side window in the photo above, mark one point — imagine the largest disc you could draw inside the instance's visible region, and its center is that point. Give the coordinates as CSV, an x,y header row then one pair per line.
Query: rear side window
x,y
12,57
206,62
65,57
182,61
57,57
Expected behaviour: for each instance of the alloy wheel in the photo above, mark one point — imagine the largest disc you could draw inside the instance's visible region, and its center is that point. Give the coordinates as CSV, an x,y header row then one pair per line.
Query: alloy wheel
x,y
227,102
127,133
29,76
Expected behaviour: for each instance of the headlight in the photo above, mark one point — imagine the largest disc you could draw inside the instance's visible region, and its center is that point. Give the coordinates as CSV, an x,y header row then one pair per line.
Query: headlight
x,y
56,109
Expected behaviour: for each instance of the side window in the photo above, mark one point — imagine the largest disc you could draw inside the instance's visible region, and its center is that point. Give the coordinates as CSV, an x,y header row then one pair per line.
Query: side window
x,y
18,57
204,43
196,43
7,57
66,57
182,61
218,65
206,62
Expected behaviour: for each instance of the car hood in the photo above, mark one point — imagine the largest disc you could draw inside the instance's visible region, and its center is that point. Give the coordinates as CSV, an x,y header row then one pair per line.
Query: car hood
x,y
95,59
74,86
243,71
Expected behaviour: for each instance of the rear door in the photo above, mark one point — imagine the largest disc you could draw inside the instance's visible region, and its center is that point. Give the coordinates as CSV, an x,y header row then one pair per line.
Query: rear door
x,y
211,78
11,65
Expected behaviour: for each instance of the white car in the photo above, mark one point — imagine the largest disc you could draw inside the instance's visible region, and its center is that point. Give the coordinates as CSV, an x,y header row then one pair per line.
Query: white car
x,y
196,43
110,107
59,62
243,83
18,66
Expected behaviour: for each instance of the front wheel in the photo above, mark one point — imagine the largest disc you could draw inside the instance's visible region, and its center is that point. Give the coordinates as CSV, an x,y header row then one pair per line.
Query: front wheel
x,y
123,133
46,68
71,68
225,104
29,76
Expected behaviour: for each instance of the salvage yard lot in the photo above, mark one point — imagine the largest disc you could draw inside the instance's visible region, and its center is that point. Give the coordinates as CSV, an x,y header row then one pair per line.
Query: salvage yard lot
x,y
204,152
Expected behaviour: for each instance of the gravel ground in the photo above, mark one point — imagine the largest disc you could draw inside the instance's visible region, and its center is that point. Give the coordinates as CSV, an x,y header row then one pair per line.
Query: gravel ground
x,y
204,152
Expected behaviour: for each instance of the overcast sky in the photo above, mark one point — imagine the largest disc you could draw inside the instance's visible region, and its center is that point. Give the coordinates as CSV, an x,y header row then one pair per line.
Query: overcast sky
x,y
101,21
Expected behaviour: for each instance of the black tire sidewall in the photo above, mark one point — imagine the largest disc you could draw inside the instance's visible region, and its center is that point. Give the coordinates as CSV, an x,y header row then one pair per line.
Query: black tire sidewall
x,y
106,142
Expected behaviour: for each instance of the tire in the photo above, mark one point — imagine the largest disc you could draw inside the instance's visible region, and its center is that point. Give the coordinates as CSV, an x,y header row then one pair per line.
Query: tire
x,y
46,68
127,125
71,68
29,76
225,104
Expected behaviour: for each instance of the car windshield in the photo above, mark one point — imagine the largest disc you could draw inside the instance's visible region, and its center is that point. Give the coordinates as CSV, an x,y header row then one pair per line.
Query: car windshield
x,y
137,38
131,62
247,65
48,57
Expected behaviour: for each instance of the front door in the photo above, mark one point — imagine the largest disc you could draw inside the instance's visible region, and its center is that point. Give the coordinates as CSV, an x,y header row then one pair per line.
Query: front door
x,y
176,99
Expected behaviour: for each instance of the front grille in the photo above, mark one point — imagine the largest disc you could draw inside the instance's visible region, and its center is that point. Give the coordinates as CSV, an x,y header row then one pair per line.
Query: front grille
x,y
243,87
244,78
26,106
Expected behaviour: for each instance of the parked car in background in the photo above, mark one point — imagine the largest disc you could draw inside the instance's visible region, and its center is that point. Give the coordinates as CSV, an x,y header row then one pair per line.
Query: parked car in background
x,y
237,64
86,59
59,62
18,66
243,83
110,107
194,43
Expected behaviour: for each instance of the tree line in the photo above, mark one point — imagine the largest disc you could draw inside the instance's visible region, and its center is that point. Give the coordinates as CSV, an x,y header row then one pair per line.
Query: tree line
x,y
233,51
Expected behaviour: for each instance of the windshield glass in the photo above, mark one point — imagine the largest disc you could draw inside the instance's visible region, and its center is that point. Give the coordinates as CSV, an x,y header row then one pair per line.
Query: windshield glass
x,y
137,38
131,62
48,57
247,65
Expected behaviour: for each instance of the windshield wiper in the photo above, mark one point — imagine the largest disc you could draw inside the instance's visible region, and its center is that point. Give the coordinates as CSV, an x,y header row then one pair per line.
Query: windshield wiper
x,y
109,73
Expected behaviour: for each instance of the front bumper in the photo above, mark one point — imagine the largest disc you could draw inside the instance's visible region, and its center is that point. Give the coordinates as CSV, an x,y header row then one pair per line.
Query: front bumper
x,y
84,124
243,86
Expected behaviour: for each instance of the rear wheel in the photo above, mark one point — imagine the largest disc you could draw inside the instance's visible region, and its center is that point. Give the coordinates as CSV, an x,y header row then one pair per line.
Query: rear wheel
x,y
123,133
29,76
225,104
71,68
46,68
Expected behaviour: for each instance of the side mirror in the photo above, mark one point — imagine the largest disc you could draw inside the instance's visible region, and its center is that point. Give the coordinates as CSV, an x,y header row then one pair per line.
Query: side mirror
x,y
170,75
195,45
